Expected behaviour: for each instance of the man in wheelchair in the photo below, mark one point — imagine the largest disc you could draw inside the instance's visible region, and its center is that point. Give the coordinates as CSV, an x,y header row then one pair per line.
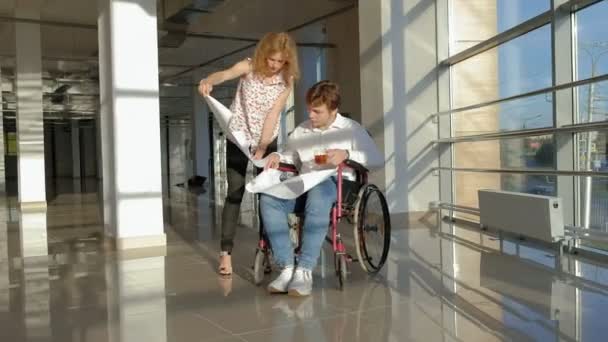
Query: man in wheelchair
x,y
324,141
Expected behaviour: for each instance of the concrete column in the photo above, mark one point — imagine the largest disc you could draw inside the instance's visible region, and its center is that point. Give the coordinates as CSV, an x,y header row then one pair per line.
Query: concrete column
x,y
200,142
164,140
5,278
75,132
30,133
130,124
76,169
2,152
398,58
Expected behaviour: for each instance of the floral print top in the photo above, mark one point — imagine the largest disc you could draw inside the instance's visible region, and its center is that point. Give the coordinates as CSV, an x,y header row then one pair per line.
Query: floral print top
x,y
253,101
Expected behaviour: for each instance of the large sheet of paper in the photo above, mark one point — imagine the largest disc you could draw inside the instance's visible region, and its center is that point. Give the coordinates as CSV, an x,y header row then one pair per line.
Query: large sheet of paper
x,y
223,116
272,182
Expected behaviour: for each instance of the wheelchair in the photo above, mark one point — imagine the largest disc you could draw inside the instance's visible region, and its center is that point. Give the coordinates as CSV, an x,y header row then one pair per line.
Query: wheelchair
x,y
359,203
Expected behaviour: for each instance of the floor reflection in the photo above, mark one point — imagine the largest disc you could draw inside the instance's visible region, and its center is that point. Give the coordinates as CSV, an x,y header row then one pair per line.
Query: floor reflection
x,y
33,233
136,300
442,282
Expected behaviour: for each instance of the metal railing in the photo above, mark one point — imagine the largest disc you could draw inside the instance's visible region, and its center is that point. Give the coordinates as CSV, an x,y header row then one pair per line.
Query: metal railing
x,y
526,171
574,231
541,91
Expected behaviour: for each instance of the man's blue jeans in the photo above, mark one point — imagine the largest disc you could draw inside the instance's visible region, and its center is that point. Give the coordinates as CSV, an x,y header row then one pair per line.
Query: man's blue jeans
x,y
319,202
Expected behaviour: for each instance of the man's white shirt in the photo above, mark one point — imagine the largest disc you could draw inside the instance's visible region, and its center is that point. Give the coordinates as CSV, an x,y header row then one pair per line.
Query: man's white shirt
x,y
343,134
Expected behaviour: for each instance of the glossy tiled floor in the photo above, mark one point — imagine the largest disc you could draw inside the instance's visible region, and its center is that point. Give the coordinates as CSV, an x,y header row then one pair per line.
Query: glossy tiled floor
x,y
441,283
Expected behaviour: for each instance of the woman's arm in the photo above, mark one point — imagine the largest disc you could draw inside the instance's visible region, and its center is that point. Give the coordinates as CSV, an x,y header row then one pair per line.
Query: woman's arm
x,y
271,120
205,86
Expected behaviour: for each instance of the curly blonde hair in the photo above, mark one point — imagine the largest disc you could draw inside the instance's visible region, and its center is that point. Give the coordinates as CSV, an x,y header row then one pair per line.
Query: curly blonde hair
x,y
270,44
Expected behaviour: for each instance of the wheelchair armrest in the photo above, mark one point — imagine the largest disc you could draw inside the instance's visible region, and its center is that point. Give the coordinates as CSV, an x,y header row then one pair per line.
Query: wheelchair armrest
x,y
355,166
288,168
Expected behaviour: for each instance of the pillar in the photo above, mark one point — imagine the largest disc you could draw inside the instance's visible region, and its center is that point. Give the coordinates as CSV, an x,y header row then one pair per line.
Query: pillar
x,y
200,142
130,123
76,169
2,152
75,135
30,133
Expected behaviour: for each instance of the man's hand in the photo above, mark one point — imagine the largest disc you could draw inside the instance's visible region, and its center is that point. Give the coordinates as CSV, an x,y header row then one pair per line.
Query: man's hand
x,y
272,162
336,157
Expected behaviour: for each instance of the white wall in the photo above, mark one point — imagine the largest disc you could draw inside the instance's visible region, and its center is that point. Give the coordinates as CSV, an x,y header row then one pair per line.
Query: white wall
x,y
343,61
399,93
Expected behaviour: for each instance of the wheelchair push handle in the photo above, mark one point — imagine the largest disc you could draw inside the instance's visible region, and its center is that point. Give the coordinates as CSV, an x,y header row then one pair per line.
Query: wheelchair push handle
x,y
355,166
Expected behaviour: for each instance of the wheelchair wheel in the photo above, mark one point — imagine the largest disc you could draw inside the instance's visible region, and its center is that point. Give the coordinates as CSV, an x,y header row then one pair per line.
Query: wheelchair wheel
x,y
341,268
261,266
372,228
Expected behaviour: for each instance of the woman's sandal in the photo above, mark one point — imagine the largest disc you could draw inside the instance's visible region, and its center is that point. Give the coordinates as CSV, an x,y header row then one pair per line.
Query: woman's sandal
x,y
225,270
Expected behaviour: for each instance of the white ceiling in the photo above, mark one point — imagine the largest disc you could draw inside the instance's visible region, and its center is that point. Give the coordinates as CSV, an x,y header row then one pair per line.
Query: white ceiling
x,y
242,18
72,51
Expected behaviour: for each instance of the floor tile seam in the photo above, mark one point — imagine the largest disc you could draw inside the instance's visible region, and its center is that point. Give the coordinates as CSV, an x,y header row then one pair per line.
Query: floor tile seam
x,y
373,308
293,324
217,325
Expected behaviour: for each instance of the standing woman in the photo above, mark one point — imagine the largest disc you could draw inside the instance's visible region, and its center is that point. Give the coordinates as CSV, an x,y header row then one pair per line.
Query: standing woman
x,y
265,83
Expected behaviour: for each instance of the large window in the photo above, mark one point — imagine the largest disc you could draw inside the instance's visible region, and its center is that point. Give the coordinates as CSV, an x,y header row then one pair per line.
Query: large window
x,y
533,153
500,135
523,113
473,21
518,66
530,115
591,51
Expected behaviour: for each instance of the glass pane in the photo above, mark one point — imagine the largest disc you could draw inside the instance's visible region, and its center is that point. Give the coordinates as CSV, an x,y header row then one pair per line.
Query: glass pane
x,y
593,156
592,40
525,113
535,153
592,60
592,102
518,66
475,21
593,325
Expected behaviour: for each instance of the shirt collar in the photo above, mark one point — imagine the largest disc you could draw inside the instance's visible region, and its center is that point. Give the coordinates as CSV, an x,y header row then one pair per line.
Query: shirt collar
x,y
339,122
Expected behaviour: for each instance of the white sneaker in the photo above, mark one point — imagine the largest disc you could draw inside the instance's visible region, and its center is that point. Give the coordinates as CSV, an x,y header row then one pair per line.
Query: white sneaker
x,y
279,285
301,284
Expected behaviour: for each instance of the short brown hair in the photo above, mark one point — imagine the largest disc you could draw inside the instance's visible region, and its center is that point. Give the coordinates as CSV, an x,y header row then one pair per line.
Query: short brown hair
x,y
324,93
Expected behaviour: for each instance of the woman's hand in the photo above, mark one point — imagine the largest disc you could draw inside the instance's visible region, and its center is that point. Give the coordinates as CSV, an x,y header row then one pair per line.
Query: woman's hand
x,y
205,87
259,153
